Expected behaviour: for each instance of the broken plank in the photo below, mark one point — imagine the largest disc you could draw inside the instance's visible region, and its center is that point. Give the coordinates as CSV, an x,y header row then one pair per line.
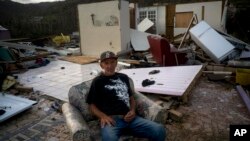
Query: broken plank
x,y
241,64
218,72
168,105
80,59
135,62
23,88
216,67
175,115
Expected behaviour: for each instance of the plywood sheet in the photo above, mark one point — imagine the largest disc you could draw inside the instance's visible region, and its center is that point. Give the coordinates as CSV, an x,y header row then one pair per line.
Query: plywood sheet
x,y
13,105
80,59
173,81
183,19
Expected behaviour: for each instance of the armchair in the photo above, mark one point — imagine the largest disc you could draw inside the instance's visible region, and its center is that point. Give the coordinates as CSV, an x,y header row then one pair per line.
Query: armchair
x,y
85,127
163,53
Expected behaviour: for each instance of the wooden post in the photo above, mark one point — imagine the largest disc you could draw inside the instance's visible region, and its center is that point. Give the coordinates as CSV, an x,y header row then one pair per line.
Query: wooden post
x,y
189,26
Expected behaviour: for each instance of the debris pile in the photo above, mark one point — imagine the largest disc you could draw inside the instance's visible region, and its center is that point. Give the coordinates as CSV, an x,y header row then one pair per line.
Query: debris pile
x,y
21,55
223,57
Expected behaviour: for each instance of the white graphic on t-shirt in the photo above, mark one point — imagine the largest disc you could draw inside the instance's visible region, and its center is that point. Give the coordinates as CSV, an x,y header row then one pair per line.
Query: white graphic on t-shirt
x,y
121,90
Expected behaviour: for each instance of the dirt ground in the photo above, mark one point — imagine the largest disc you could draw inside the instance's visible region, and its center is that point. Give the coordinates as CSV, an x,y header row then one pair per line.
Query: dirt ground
x,y
212,107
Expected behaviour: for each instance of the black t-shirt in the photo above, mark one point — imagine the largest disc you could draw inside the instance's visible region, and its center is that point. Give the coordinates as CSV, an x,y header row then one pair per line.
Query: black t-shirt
x,y
110,94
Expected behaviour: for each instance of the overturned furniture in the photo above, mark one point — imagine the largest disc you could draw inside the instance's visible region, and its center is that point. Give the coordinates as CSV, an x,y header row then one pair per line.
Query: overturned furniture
x,y
162,52
213,44
84,126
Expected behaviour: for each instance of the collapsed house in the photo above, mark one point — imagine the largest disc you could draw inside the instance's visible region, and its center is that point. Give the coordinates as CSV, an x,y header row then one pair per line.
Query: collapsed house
x,y
170,67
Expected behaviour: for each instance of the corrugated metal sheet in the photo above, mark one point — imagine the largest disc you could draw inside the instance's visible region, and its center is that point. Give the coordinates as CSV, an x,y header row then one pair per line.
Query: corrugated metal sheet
x,y
169,81
13,105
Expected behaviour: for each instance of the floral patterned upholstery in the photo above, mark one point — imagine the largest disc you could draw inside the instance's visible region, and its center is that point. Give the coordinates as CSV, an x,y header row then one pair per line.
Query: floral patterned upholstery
x,y
145,108
77,97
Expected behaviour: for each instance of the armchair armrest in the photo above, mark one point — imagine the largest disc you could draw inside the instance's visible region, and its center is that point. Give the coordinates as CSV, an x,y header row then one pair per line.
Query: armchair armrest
x,y
76,123
147,108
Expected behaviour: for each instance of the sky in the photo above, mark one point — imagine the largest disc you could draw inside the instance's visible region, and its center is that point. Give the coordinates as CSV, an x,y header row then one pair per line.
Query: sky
x,y
33,1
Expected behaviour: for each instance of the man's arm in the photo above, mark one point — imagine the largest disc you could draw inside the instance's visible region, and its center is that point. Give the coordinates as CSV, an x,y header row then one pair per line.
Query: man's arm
x,y
132,103
131,98
131,114
104,119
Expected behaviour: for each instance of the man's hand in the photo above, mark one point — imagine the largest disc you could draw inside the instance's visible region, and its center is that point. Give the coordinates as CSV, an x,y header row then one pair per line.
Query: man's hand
x,y
129,116
106,120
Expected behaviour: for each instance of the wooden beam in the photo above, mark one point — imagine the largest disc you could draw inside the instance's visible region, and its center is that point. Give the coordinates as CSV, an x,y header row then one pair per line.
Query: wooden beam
x,y
244,96
240,64
175,115
203,13
23,88
194,18
218,72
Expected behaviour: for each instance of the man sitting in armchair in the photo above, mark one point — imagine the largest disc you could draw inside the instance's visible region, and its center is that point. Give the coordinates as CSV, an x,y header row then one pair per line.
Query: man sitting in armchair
x,y
110,98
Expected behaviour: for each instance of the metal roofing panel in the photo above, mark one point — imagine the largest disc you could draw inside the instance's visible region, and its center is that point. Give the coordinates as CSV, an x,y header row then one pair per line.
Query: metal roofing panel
x,y
139,40
13,105
173,80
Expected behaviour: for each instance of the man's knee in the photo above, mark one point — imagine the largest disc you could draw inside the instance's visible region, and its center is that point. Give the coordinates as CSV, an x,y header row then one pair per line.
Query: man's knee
x,y
109,135
159,132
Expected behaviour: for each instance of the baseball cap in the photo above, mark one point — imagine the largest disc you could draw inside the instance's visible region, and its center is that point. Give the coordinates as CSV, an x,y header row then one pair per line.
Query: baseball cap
x,y
107,55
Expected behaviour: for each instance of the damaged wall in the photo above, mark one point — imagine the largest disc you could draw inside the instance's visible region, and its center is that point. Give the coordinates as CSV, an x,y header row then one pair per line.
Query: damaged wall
x,y
160,17
104,26
212,13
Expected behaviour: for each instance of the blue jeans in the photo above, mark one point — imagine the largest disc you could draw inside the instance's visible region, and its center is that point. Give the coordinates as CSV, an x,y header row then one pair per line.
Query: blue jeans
x,y
138,127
